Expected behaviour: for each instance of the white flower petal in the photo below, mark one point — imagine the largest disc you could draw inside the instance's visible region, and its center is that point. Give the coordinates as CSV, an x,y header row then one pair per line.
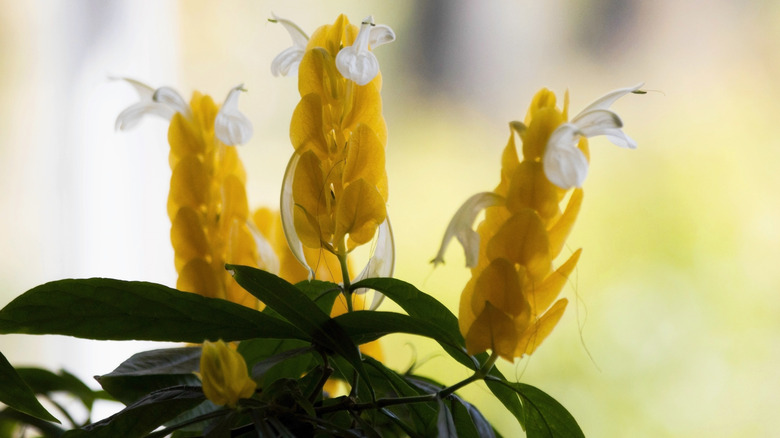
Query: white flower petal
x,y
620,139
299,37
231,126
608,99
287,210
379,35
356,62
597,122
381,263
564,164
132,115
172,99
461,225
144,91
286,63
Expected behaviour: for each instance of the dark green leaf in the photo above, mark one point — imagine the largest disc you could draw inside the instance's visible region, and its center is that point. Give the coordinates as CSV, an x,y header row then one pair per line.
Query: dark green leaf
x,y
544,416
444,422
152,370
424,307
299,310
46,382
424,415
143,416
366,326
101,308
15,393
12,421
323,293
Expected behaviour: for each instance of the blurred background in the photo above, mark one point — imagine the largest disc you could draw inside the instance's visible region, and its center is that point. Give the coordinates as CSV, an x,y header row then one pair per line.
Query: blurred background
x,y
673,325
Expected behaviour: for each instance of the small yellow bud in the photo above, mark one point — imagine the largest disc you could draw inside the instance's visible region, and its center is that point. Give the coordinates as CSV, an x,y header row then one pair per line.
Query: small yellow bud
x,y
224,374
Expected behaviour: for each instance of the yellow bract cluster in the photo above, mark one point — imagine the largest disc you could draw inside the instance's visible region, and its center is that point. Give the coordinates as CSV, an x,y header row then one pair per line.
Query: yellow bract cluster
x,y
340,185
207,206
507,306
224,374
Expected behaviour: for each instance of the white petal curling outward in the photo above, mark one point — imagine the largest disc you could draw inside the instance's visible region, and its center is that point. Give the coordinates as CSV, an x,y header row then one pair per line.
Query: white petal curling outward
x,y
287,210
356,62
231,126
608,99
380,34
381,263
172,99
461,225
596,122
564,164
286,63
132,115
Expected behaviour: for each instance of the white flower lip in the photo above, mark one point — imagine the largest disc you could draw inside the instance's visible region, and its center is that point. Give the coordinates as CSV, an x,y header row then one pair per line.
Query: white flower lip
x,y
286,63
287,210
461,227
381,263
356,62
564,164
231,126
163,102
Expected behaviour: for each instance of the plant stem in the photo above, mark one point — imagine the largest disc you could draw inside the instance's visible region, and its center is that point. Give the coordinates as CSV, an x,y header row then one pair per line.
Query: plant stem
x,y
349,404
342,256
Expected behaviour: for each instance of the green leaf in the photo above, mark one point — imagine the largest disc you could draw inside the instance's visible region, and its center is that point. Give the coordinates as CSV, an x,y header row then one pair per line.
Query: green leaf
x,y
366,326
297,308
46,382
107,309
15,393
544,416
143,416
422,306
152,370
323,293
444,422
424,415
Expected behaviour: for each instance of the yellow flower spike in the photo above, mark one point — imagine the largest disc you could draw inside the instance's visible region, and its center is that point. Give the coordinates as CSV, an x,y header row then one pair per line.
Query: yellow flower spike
x,y
504,306
501,285
522,239
224,374
533,336
207,202
335,187
492,330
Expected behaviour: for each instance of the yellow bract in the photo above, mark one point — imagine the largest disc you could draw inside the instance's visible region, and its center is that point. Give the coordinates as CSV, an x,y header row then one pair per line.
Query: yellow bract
x,y
339,186
207,205
509,304
224,374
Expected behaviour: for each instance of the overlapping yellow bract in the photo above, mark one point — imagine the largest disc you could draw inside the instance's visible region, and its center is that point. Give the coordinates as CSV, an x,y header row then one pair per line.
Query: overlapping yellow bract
x,y
340,184
224,374
509,306
207,205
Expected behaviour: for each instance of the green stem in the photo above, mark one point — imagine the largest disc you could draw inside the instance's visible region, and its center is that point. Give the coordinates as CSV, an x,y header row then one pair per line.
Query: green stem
x,y
381,403
342,256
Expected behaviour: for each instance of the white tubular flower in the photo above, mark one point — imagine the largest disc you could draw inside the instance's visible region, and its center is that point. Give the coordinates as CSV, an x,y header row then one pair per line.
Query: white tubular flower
x,y
381,263
564,164
461,227
286,63
231,126
356,62
287,211
163,102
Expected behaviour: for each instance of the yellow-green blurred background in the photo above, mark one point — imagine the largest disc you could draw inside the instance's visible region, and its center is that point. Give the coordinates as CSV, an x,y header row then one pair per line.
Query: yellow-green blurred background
x,y
674,325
